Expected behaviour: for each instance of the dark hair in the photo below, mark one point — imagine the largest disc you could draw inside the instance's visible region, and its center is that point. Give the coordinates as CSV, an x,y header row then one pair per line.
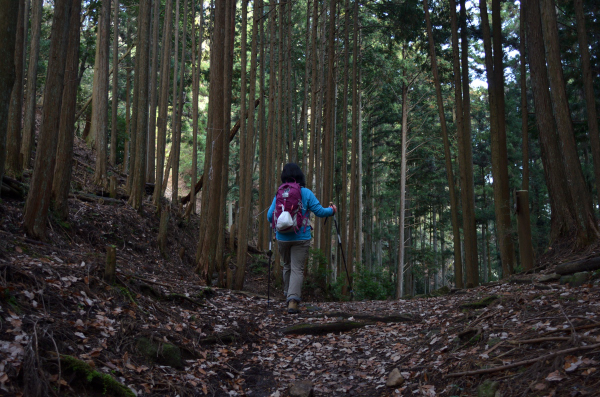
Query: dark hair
x,y
292,173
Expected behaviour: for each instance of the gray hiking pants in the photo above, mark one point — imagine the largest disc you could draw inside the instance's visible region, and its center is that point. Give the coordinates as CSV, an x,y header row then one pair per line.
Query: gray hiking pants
x,y
293,254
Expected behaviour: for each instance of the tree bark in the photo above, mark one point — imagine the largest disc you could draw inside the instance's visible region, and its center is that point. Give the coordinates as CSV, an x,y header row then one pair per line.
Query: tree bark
x,y
264,192
30,99
115,87
354,208
402,210
15,112
142,60
35,216
174,117
449,173
164,99
175,197
196,65
66,133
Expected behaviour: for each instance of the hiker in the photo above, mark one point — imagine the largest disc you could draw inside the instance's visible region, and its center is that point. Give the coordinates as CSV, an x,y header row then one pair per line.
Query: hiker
x,y
289,214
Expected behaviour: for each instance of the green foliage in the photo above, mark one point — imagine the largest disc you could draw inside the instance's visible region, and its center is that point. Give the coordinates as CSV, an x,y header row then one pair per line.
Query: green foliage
x,y
372,285
106,383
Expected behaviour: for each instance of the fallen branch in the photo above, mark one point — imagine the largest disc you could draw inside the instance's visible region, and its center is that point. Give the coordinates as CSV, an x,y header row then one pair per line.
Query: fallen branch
x,y
584,265
520,363
595,325
539,340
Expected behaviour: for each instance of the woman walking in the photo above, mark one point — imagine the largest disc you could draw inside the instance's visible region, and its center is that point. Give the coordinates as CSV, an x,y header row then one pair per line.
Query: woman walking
x,y
293,238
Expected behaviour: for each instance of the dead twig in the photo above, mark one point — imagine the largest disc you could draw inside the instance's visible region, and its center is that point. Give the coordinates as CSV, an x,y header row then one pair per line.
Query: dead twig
x,y
300,351
595,325
539,340
524,362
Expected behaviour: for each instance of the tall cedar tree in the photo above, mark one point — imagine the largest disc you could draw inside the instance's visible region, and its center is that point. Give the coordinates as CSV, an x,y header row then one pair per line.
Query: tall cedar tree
x,y
35,218
66,132
165,65
115,87
588,89
175,185
142,60
585,222
174,141
214,165
196,64
30,91
561,203
8,20
465,163
458,273
13,133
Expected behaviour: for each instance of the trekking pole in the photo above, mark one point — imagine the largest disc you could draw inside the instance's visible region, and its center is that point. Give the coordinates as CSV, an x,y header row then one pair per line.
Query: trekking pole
x,y
269,254
343,256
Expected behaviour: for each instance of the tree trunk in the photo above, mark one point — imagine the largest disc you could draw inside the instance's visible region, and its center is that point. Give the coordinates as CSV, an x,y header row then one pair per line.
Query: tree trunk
x,y
127,110
175,199
585,222
100,96
115,87
8,21
64,153
354,208
31,98
174,118
449,173
402,210
588,88
142,60
465,162
165,65
264,193
196,46
211,209
13,132
150,162
35,216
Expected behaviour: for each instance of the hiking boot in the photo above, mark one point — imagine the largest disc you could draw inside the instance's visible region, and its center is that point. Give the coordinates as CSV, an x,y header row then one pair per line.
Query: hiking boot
x,y
293,307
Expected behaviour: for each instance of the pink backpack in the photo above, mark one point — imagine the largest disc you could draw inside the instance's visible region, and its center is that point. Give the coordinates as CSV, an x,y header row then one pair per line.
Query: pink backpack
x,y
288,208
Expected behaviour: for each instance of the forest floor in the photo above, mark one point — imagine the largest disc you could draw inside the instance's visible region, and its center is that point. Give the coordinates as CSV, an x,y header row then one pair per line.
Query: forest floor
x,y
158,330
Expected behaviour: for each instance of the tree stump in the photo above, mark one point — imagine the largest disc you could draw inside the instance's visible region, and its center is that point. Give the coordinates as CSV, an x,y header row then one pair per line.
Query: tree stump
x,y
162,231
113,187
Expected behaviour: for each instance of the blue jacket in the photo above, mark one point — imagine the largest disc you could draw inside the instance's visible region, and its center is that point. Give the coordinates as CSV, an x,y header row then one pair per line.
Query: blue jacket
x,y
309,204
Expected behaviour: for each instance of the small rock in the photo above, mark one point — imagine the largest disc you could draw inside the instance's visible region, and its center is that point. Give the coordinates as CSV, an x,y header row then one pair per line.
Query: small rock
x,y
395,379
488,388
303,388
549,277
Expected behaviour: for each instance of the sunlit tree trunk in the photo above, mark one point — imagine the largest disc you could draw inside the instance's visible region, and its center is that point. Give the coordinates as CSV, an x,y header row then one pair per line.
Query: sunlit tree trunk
x,y
13,132
196,65
66,133
35,216
30,91
177,140
313,107
402,210
353,213
127,109
150,162
448,157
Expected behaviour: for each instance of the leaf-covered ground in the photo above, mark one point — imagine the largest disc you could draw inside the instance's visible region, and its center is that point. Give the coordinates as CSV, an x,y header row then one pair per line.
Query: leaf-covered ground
x,y
158,331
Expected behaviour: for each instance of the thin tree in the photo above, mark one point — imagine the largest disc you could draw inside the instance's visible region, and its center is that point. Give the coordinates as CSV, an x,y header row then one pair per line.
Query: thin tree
x,y
344,138
66,133
264,192
313,107
448,157
150,162
196,66
30,91
35,216
99,133
177,140
115,87
163,104
13,132
142,69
